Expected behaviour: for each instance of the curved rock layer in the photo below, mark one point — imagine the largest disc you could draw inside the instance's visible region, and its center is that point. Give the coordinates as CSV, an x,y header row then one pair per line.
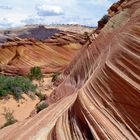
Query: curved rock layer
x,y
40,32
100,97
52,55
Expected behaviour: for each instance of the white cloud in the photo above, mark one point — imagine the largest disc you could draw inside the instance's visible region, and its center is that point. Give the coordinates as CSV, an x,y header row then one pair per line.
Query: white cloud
x,y
86,12
49,10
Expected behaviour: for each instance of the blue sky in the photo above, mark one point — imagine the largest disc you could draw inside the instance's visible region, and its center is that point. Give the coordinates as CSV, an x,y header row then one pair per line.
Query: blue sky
x,y
21,12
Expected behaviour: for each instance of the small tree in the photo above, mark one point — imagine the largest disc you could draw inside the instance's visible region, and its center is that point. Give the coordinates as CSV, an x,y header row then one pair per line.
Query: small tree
x,y
35,73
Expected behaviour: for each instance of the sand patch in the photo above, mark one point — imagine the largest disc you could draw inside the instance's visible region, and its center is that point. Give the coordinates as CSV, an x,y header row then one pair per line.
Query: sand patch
x,y
21,108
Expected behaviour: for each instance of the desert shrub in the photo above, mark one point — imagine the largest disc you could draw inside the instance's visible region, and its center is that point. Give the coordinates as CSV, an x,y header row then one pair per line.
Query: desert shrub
x,y
40,96
42,105
55,77
15,86
8,117
35,73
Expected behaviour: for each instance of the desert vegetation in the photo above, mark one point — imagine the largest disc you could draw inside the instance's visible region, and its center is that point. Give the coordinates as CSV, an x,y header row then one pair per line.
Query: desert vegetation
x,y
15,86
42,105
55,76
40,96
8,117
35,73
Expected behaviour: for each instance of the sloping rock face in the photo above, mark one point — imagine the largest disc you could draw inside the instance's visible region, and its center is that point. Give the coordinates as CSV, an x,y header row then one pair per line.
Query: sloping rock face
x,y
52,55
100,97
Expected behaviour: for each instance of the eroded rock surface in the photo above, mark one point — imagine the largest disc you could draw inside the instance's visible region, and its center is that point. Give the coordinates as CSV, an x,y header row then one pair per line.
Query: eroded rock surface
x,y
99,97
52,55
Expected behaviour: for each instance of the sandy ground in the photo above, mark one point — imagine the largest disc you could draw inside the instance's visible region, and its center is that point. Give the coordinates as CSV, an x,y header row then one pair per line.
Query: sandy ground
x,y
23,108
45,86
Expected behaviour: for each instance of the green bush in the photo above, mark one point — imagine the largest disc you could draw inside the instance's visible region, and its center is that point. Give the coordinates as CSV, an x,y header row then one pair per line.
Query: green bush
x,y
8,117
42,105
40,96
35,73
15,86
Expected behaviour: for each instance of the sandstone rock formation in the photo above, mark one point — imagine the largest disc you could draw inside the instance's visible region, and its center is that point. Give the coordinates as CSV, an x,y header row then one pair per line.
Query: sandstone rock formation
x,y
99,97
52,55
40,32
113,10
72,27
